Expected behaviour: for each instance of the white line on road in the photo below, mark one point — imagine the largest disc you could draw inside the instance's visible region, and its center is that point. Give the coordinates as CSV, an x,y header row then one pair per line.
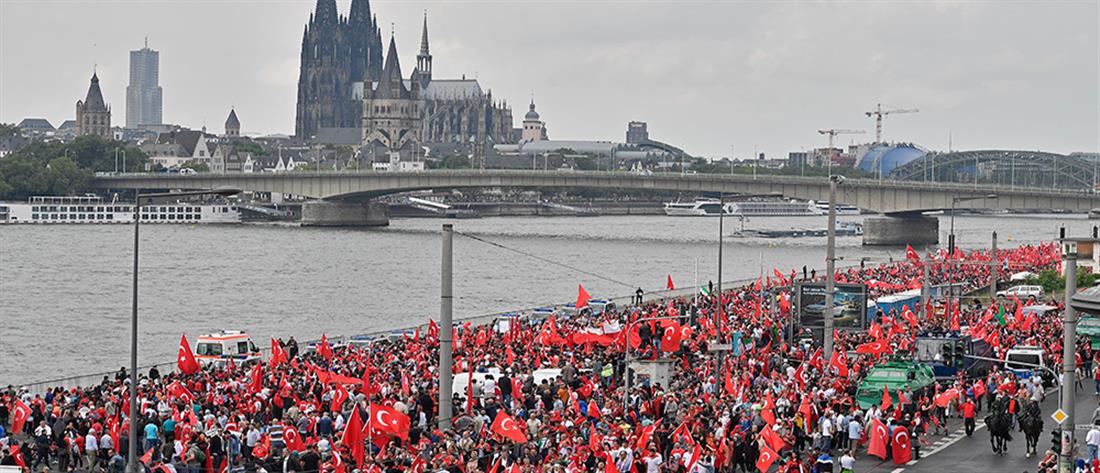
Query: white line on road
x,y
954,438
898,470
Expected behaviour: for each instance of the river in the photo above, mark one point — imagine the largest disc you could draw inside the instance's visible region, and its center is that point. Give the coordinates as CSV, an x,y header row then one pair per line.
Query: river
x,y
65,290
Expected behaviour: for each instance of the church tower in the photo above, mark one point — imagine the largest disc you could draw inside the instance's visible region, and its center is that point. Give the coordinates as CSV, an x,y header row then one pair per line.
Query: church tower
x,y
93,116
423,73
391,112
232,124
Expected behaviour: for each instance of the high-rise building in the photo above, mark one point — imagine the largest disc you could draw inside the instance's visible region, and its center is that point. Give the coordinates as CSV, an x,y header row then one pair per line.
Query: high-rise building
x,y
144,96
93,115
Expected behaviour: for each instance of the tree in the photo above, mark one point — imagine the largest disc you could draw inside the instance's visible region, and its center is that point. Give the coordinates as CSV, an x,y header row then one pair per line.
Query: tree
x,y
195,166
455,161
8,129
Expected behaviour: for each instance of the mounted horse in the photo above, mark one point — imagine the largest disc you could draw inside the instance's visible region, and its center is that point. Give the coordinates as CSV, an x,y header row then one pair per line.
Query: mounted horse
x,y
1000,426
1031,424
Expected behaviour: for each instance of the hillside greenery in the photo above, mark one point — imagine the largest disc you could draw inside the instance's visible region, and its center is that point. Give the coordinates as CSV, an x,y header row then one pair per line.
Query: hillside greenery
x,y
42,168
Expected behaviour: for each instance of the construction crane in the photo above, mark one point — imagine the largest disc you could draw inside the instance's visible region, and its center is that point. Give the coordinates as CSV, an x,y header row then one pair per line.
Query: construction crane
x,y
832,132
880,112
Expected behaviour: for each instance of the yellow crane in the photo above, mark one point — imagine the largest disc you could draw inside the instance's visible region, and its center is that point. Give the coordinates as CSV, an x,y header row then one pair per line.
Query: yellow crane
x,y
879,112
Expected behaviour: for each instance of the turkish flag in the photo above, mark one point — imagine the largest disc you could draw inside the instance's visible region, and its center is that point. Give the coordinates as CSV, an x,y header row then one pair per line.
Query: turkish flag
x,y
324,349
389,421
582,297
645,435
147,458
353,436
505,426
17,455
944,399
911,254
772,439
878,434
873,348
293,439
669,284
694,458
339,395
433,329
886,401
909,316
840,363
766,458
185,359
902,448
257,383
20,413
278,355
671,339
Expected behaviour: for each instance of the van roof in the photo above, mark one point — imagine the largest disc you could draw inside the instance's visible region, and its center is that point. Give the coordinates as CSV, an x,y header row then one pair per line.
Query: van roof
x,y
224,335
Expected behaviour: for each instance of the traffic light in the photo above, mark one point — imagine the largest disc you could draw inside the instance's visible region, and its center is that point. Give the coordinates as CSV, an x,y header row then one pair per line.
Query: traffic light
x,y
1056,440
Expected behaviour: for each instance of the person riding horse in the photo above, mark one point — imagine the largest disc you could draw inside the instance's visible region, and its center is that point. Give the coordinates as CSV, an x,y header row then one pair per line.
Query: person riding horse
x,y
1000,424
1031,424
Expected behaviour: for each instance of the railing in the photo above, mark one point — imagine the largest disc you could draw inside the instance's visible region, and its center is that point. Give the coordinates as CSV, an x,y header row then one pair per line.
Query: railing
x,y
769,178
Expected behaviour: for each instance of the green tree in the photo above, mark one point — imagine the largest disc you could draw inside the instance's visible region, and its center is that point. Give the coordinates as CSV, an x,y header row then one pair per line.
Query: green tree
x,y
9,129
196,166
455,161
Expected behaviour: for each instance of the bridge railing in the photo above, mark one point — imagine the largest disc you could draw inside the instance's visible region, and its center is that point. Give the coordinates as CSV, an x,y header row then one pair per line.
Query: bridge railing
x,y
768,178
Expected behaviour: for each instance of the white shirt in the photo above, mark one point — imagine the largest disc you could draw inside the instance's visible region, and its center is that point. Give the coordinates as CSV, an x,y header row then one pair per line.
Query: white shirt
x,y
653,464
1093,437
826,427
847,461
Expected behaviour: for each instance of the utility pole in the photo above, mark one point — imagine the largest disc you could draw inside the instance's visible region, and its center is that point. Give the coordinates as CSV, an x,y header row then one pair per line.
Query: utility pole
x,y
718,291
994,269
925,290
1069,359
446,299
830,267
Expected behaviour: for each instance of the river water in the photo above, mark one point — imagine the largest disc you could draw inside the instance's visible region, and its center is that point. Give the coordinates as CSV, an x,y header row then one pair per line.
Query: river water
x,y
65,290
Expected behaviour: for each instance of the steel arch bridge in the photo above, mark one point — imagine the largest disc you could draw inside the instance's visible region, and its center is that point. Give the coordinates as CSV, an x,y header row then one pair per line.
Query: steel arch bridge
x,y
1010,168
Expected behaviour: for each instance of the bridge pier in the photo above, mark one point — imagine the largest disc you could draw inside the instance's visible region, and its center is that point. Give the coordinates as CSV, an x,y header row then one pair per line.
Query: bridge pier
x,y
321,213
901,230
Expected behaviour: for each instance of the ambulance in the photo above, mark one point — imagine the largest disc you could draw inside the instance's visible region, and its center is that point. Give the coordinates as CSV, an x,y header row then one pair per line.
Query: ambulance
x,y
219,348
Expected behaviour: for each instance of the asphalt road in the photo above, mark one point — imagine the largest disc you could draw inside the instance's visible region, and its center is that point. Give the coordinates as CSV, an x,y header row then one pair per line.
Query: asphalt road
x,y
958,453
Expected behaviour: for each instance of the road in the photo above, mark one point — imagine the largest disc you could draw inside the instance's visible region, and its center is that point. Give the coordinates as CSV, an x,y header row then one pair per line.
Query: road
x,y
958,453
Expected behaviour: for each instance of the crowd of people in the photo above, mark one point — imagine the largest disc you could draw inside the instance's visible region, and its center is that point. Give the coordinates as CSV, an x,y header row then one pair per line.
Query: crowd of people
x,y
772,402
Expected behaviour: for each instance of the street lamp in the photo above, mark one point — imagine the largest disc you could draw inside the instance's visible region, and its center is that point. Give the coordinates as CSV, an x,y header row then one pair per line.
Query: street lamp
x,y
140,200
830,268
951,243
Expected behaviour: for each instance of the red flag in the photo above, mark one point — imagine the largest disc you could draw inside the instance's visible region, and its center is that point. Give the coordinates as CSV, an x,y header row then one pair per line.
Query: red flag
x,y
185,359
20,413
669,285
766,458
582,297
909,316
645,435
671,339
695,454
353,436
339,395
470,387
324,349
257,384
505,426
278,355
389,421
772,439
147,458
886,401
902,448
944,399
873,348
17,455
433,330
293,439
839,363
911,255
879,434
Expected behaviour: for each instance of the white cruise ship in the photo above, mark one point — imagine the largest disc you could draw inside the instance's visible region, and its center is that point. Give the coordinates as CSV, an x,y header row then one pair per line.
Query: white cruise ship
x,y
91,209
772,208
699,208
841,209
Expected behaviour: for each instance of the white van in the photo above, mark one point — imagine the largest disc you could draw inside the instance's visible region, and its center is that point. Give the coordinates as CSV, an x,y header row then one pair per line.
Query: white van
x,y
1023,360
218,348
1022,292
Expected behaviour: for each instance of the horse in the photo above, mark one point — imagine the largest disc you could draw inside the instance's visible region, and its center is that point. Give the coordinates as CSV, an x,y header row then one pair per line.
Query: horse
x,y
1000,426
1031,424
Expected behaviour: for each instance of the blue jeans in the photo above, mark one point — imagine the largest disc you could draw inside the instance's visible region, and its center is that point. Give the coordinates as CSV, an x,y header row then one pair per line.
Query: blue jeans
x,y
1092,453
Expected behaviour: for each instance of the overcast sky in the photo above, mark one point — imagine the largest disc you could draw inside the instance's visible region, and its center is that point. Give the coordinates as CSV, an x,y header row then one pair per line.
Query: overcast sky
x,y
706,75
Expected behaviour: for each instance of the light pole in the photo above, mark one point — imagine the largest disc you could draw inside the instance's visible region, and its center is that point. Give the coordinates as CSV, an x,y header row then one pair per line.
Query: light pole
x,y
1069,349
446,362
830,267
140,200
951,238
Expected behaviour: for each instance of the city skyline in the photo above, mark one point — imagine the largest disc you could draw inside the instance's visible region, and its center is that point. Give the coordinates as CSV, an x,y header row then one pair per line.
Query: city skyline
x,y
750,75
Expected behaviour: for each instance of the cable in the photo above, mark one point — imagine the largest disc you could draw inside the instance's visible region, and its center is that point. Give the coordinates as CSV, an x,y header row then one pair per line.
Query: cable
x,y
545,260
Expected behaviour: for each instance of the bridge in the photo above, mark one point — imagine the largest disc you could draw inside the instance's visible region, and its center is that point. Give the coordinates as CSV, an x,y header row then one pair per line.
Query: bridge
x,y
345,196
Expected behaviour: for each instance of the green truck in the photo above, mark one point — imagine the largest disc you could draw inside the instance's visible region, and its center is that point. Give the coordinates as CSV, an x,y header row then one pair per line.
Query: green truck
x,y
896,375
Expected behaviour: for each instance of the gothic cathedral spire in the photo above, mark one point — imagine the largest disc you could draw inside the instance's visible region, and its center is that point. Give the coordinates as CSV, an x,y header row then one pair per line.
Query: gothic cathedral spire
x,y
424,59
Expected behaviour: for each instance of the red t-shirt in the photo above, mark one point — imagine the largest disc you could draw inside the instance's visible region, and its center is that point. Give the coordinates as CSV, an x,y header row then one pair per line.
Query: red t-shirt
x,y
968,410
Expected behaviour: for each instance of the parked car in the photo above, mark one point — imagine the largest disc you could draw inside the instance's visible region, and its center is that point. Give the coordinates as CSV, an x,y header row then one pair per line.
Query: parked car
x,y
1022,292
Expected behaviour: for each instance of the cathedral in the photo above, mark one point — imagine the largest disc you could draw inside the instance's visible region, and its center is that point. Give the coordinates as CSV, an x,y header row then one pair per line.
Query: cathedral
x,y
337,52
432,111
93,116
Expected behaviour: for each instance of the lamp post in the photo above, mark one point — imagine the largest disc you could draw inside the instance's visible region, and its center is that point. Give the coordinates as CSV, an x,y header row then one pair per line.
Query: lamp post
x,y
1069,359
830,268
139,200
951,240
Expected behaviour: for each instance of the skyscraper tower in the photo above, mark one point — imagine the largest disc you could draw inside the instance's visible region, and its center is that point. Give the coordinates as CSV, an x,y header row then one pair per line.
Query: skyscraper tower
x,y
144,99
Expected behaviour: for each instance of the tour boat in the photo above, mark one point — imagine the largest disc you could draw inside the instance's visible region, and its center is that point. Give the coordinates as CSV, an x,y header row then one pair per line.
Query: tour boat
x,y
699,208
841,209
92,209
772,208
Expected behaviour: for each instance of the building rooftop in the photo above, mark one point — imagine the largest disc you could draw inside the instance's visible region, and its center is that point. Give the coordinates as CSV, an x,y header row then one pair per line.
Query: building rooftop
x,y
36,124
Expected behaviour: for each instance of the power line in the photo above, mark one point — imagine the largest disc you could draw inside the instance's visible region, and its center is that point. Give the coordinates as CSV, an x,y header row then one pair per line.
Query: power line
x,y
545,260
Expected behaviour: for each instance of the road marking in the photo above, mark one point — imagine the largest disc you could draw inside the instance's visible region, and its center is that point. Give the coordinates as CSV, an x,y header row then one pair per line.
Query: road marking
x,y
951,439
899,470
